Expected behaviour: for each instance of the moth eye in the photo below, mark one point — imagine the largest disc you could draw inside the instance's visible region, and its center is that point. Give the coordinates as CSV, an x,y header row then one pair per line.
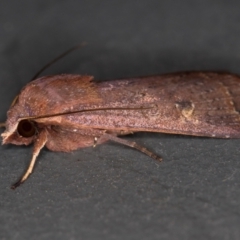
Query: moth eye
x,y
26,128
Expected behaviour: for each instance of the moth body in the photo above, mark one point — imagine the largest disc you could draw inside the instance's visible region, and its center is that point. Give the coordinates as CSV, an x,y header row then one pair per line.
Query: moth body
x,y
67,112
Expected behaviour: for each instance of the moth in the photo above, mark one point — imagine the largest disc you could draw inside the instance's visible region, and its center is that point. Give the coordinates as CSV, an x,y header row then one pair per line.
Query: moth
x,y
67,112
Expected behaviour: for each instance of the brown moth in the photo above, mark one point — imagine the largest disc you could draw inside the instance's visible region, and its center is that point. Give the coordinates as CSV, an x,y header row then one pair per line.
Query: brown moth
x,y
67,112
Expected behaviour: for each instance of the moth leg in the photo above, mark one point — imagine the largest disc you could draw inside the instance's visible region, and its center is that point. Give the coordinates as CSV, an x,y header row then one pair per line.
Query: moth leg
x,y
130,144
2,125
38,145
95,142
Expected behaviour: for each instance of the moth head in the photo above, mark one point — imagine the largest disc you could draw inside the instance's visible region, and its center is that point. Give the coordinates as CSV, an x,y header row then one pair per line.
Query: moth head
x,y
19,130
23,133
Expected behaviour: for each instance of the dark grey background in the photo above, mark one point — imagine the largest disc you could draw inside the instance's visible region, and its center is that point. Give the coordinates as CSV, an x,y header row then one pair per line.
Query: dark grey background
x,y
113,192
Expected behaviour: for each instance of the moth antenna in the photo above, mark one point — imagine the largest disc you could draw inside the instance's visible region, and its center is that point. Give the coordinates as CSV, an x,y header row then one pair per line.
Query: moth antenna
x,y
39,144
51,63
57,58
82,111
131,144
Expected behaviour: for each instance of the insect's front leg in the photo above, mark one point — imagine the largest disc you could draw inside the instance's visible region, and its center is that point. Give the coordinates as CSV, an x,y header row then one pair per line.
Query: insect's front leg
x,y
38,145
